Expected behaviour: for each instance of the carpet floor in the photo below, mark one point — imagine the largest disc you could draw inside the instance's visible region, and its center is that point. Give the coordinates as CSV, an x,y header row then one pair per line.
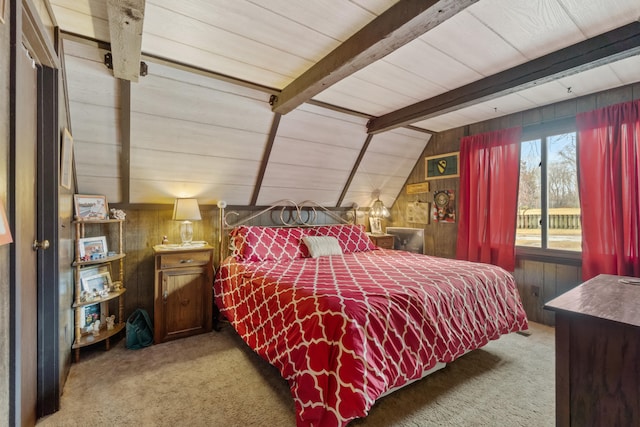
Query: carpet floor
x,y
214,379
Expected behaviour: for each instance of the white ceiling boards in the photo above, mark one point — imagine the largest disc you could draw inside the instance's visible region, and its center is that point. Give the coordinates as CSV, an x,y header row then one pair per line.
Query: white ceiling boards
x,y
195,137
204,121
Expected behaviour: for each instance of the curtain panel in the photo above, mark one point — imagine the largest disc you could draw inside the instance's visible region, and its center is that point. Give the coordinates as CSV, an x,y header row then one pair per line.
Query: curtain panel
x,y
609,181
487,204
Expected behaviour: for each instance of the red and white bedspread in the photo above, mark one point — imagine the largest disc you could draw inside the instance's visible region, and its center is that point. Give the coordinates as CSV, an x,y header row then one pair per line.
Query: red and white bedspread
x,y
344,329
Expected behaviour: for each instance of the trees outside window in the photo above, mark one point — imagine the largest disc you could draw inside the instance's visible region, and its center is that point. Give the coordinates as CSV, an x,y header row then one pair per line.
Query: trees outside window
x,y
548,199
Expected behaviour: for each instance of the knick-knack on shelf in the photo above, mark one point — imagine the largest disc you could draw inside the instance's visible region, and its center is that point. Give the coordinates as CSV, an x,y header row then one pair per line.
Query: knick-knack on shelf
x,y
96,328
110,321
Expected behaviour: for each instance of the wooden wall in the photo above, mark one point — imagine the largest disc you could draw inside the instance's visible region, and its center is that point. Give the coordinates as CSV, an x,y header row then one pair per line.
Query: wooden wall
x,y
143,229
538,282
66,246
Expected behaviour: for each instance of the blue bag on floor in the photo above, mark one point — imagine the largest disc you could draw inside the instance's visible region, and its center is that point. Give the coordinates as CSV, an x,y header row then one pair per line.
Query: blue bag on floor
x,y
139,330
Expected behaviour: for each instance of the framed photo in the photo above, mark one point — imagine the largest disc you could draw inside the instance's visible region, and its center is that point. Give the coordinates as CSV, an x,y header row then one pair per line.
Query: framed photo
x,y
99,282
442,166
418,212
94,270
93,247
376,227
66,159
90,208
407,239
5,232
90,313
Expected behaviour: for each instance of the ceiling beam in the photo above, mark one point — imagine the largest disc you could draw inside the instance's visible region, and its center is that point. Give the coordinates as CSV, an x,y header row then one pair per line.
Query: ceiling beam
x,y
354,170
265,158
125,30
606,48
397,26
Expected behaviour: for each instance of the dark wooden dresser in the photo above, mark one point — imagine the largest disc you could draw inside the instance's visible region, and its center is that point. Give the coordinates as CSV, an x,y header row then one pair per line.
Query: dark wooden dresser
x,y
598,353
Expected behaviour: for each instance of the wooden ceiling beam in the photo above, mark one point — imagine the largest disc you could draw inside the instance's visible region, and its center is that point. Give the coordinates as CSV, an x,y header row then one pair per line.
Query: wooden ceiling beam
x,y
400,24
125,30
606,48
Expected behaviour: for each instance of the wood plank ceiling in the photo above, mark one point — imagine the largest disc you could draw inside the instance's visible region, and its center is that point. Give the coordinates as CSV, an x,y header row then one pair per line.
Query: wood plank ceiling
x,y
206,120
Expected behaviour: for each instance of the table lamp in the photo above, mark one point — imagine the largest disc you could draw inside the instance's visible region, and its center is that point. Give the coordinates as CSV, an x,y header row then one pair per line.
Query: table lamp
x,y
379,210
186,210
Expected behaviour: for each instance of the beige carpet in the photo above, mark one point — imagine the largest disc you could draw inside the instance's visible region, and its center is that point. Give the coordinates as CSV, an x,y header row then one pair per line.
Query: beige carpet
x,y
215,380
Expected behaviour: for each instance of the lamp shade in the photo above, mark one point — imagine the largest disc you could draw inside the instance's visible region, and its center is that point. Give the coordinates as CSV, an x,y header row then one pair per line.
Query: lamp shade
x,y
186,210
379,210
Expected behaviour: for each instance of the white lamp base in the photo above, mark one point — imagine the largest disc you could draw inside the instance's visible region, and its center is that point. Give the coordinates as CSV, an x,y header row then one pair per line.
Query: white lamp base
x,y
186,232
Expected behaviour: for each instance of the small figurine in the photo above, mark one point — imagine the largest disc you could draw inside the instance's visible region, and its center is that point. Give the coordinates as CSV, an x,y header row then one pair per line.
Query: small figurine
x,y
117,213
85,296
110,321
165,241
96,328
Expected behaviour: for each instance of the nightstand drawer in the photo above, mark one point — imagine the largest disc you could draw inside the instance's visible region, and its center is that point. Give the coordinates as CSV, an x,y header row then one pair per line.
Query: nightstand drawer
x,y
384,241
185,259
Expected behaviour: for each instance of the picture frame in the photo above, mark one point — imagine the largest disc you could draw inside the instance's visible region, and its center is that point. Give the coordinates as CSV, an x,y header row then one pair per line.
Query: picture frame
x,y
3,6
99,282
91,207
418,212
376,226
90,313
93,270
66,159
5,231
92,248
417,188
442,166
444,206
407,239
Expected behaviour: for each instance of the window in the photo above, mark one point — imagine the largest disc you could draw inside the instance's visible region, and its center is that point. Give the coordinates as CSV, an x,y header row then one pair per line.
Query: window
x,y
548,202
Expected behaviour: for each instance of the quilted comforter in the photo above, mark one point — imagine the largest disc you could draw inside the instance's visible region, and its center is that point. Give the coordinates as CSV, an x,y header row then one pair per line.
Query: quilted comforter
x,y
345,329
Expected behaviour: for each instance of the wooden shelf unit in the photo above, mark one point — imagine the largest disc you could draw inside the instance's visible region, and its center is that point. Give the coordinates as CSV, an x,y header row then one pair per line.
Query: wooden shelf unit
x,y
83,338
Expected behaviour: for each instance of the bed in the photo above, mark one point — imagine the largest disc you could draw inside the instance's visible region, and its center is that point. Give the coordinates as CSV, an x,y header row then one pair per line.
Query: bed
x,y
346,322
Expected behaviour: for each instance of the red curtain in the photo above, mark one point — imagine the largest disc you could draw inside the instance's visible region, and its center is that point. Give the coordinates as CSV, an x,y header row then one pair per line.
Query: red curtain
x,y
609,179
488,201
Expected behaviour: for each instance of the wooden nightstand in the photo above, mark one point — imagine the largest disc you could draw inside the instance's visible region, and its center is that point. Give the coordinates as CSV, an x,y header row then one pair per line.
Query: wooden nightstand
x,y
183,295
384,241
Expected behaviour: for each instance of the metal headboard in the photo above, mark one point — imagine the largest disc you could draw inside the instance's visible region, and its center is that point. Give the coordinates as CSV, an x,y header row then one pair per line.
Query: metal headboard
x,y
292,214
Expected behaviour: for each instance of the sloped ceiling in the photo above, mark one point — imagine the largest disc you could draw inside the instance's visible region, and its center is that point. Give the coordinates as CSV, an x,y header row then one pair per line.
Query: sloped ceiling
x,y
202,123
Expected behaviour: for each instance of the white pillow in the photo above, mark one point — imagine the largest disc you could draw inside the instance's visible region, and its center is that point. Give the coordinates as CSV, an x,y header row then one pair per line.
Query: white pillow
x,y
322,245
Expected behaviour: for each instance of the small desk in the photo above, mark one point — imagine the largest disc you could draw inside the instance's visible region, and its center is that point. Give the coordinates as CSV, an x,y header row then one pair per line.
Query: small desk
x,y
598,353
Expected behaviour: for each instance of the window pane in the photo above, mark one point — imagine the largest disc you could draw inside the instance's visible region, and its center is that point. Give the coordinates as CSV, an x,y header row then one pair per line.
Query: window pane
x,y
529,232
562,193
